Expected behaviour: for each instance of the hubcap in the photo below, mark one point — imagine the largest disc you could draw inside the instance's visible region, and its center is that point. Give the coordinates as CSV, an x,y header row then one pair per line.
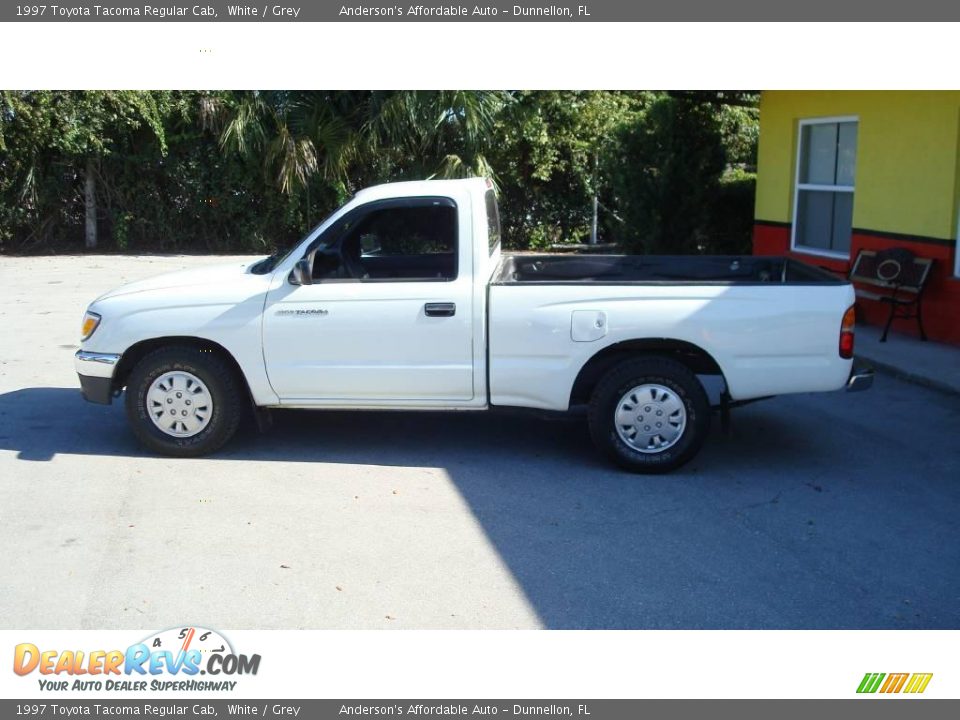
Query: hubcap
x,y
179,404
650,418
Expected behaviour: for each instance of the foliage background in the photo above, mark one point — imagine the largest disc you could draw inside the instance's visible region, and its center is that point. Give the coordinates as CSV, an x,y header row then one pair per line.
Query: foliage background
x,y
221,171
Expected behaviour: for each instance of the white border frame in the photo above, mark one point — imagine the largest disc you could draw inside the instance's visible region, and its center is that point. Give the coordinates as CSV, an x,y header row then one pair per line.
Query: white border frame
x,y
812,186
526,664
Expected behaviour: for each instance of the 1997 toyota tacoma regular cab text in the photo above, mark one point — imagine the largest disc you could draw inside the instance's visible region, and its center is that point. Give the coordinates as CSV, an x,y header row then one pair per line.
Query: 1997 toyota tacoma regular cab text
x,y
402,300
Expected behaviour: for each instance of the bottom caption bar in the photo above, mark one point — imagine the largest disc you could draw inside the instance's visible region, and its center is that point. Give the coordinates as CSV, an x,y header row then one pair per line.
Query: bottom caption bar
x,y
919,709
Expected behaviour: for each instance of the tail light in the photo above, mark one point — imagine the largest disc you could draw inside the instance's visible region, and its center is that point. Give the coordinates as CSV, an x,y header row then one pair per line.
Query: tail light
x,y
846,333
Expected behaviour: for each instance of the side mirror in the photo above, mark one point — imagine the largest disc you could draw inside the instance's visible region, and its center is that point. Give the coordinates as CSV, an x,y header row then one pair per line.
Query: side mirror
x,y
302,272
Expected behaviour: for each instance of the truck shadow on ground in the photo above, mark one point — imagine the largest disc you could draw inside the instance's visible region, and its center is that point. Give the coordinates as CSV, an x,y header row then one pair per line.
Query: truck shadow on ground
x,y
770,527
43,422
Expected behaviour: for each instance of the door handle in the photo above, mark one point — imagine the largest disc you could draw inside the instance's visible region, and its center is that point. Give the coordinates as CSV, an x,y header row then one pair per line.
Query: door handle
x,y
440,309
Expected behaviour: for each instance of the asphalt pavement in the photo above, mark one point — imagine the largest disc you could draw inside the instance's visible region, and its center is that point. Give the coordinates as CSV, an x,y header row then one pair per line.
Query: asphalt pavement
x,y
817,511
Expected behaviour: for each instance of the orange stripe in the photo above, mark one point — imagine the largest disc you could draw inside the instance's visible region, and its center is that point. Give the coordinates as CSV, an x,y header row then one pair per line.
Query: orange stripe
x,y
903,679
894,682
186,641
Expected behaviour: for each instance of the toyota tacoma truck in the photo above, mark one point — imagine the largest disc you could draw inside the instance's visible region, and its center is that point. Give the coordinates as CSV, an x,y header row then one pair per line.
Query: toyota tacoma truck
x,y
403,300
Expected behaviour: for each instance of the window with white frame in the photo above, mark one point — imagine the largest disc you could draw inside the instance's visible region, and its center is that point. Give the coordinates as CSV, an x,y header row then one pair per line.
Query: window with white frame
x,y
823,200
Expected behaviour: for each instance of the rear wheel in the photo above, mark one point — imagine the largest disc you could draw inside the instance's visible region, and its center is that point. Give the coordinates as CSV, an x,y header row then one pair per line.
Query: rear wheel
x,y
183,401
649,414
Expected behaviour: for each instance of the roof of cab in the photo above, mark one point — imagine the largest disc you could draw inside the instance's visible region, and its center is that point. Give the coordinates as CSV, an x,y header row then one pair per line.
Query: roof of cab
x,y
413,188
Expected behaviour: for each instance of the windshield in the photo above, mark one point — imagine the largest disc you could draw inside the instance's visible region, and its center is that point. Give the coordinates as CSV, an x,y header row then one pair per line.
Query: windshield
x,y
268,264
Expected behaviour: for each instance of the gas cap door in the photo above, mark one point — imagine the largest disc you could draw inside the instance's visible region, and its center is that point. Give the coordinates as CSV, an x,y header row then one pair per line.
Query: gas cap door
x,y
588,325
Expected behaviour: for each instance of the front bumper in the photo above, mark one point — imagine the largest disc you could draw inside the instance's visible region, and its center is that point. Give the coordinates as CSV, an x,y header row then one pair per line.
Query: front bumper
x,y
95,371
861,378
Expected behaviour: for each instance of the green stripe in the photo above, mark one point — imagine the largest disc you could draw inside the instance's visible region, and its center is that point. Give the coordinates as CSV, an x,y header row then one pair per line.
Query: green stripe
x,y
871,682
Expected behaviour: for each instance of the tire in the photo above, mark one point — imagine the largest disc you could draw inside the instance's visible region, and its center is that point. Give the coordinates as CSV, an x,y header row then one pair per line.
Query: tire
x,y
629,402
179,384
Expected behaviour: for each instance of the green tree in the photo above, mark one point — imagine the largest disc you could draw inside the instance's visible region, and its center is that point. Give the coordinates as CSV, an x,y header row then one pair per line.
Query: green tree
x,y
546,149
344,140
665,171
740,129
245,170
83,127
426,134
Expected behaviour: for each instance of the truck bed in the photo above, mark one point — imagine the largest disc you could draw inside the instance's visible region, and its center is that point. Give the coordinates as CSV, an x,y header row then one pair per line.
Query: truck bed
x,y
659,269
771,324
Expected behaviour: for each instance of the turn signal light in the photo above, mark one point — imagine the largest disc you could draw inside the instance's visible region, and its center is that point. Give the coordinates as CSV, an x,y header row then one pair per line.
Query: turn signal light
x,y
90,322
846,333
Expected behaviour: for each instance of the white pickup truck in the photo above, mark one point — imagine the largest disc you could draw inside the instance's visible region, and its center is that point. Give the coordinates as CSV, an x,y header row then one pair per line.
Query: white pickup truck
x,y
402,300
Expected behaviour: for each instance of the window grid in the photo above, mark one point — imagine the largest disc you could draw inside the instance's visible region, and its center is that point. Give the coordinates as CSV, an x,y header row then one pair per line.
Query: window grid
x,y
817,187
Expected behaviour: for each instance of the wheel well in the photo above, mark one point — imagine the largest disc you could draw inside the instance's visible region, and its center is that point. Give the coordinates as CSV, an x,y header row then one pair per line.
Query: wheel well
x,y
135,353
696,358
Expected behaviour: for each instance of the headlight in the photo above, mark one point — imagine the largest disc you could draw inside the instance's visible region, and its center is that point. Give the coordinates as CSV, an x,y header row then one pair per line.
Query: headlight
x,y
90,323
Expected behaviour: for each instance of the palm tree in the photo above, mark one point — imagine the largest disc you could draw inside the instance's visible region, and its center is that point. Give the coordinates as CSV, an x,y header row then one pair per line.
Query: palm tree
x,y
441,133
343,137
296,136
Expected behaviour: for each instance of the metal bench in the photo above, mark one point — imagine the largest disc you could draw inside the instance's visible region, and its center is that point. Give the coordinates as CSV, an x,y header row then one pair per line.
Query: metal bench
x,y
902,275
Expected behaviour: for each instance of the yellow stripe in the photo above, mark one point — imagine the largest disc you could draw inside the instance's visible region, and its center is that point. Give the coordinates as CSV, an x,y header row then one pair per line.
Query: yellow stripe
x,y
918,682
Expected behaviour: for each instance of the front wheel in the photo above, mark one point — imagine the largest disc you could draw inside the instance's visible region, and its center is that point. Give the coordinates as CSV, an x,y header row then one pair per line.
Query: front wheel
x,y
183,401
649,414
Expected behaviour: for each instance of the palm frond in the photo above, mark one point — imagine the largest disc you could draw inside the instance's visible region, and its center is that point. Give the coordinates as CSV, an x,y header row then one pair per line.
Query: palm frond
x,y
293,159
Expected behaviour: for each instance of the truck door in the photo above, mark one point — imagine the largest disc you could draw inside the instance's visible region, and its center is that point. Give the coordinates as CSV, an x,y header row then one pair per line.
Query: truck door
x,y
388,316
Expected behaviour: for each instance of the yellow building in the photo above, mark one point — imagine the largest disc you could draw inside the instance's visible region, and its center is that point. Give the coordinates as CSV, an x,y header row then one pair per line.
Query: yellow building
x,y
840,171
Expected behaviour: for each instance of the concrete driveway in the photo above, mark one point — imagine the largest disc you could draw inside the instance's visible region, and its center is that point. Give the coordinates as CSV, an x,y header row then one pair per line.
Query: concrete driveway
x,y
820,511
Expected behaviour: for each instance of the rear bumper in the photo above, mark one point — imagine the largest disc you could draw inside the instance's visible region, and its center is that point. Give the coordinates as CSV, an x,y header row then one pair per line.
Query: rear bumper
x,y
95,371
861,378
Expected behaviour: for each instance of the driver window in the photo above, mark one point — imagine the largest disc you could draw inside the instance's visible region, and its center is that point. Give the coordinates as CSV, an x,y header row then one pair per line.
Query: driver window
x,y
327,265
399,243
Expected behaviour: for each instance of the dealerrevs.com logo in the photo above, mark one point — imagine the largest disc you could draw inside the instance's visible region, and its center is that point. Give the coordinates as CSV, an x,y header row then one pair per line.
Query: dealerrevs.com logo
x,y
910,683
168,660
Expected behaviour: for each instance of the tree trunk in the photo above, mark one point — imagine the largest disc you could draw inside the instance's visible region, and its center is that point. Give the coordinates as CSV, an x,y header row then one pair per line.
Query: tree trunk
x,y
596,200
593,225
90,204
